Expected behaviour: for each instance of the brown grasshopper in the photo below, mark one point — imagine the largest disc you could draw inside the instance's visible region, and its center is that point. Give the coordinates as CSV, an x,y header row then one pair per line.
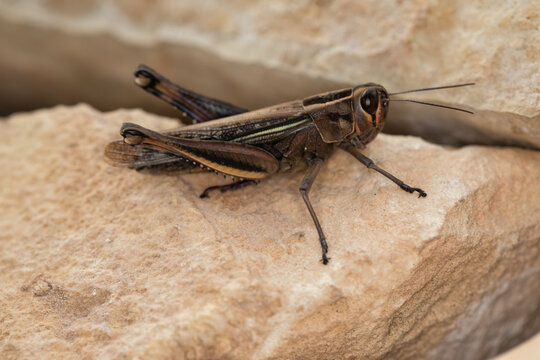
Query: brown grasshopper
x,y
251,145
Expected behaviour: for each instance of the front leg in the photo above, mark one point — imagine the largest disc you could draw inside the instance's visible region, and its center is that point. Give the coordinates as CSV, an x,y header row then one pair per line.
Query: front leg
x,y
309,178
371,165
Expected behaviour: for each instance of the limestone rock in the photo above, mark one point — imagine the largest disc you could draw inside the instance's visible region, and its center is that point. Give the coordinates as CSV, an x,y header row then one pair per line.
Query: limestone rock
x,y
257,53
526,351
102,262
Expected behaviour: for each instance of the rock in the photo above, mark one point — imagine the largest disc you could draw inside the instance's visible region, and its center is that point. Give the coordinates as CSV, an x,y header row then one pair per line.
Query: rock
x,y
257,53
526,351
102,262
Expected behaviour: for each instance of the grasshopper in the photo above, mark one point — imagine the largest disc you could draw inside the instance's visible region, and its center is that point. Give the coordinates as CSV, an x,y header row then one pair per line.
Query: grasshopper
x,y
252,145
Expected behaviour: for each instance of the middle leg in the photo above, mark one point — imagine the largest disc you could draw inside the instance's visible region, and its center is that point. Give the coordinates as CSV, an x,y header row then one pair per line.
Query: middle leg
x,y
308,180
235,185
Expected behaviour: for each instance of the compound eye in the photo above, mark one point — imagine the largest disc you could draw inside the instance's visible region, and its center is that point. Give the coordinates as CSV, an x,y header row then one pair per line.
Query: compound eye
x,y
370,101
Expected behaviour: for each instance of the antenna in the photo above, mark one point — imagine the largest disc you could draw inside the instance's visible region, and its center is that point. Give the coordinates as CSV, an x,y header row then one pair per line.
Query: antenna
x,y
433,88
431,104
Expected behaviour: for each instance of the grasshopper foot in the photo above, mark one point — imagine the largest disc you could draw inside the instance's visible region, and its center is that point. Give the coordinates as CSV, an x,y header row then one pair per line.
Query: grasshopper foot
x,y
325,259
324,246
409,189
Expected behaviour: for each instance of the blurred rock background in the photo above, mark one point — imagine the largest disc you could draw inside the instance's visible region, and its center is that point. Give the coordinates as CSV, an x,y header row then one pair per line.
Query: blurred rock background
x,y
255,53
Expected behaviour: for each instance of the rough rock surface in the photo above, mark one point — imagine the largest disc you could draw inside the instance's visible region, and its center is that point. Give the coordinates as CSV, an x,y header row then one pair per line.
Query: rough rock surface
x,y
102,262
258,52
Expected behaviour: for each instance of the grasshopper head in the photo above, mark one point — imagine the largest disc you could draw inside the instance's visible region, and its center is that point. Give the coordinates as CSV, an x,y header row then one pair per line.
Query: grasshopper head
x,y
370,105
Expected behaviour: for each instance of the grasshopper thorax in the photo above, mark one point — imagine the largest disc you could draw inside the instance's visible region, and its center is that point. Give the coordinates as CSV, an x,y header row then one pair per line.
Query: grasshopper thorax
x,y
370,106
354,113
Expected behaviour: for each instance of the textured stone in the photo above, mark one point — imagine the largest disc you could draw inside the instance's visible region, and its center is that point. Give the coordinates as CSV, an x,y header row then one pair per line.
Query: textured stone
x,y
102,262
258,53
526,351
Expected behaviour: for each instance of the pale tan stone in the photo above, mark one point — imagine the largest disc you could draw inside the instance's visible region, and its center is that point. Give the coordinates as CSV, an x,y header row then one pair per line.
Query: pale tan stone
x,y
256,53
102,262
526,351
